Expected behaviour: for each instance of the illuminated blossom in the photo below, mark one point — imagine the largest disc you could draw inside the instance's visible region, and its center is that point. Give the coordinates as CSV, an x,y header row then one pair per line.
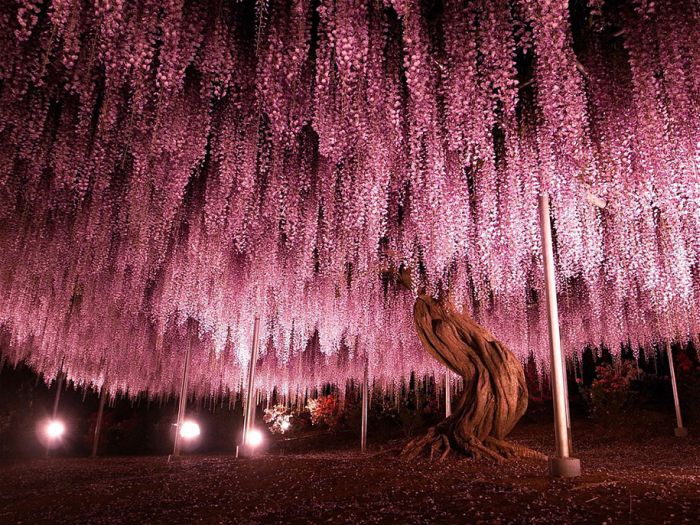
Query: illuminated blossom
x,y
174,168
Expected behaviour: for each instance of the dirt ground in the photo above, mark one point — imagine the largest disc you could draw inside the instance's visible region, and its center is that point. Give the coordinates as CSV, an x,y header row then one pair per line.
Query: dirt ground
x,y
638,479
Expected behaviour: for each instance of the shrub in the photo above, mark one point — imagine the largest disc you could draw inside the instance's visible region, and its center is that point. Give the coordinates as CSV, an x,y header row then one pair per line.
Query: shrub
x,y
279,419
325,411
609,394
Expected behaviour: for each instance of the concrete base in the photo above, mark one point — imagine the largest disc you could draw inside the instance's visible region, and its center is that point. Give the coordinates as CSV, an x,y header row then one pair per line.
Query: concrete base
x,y
680,432
564,467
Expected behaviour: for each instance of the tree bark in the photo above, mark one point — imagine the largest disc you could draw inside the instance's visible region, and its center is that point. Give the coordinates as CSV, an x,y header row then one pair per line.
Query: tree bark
x,y
495,392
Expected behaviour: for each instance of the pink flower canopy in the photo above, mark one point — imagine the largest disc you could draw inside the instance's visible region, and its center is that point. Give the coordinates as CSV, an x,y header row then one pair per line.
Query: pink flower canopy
x,y
170,169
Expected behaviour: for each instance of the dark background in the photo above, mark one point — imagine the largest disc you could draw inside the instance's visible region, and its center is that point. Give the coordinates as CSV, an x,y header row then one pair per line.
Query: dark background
x,y
143,425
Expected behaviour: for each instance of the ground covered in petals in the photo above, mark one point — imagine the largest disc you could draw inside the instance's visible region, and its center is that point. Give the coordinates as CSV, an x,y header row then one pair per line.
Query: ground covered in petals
x,y
637,479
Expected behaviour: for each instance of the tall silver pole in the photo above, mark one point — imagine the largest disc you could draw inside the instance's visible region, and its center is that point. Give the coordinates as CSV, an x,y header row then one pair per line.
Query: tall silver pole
x,y
249,414
561,464
56,399
365,406
680,431
98,424
566,398
183,395
448,395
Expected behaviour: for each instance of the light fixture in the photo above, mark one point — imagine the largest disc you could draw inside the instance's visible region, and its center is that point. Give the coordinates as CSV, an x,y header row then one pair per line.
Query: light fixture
x,y
189,430
55,429
255,437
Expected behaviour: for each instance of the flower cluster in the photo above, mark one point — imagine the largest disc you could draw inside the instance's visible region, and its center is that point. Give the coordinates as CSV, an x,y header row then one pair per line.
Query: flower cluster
x,y
278,418
170,169
324,411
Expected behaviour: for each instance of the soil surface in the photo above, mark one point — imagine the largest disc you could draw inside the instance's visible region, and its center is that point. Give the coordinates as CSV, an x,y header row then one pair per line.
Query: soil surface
x,y
627,478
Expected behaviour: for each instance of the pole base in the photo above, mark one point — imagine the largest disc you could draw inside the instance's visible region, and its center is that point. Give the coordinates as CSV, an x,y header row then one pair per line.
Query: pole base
x,y
564,467
244,451
680,432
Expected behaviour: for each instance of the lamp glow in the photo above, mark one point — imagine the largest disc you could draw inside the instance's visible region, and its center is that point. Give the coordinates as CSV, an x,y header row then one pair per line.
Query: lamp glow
x,y
55,429
255,437
285,425
189,430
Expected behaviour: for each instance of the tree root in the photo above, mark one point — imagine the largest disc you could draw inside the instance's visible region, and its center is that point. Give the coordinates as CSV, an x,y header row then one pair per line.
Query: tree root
x,y
437,444
514,450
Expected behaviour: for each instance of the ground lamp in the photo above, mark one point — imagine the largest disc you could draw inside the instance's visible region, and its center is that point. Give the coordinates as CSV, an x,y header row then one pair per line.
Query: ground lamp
x,y
254,438
55,430
190,430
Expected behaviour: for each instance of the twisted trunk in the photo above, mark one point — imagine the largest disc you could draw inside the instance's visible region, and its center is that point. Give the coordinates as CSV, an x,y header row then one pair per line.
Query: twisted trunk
x,y
495,393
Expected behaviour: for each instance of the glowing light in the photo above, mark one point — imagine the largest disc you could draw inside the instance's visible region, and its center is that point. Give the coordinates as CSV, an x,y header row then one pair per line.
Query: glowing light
x,y
255,438
55,429
190,430
285,425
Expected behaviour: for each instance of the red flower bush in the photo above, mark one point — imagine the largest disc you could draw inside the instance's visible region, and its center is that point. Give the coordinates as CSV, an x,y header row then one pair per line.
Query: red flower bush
x,y
325,411
609,393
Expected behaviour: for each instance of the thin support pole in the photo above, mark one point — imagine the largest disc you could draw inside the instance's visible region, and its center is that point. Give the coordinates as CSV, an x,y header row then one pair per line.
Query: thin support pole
x,y
680,431
365,406
448,395
183,395
98,424
56,399
568,414
249,413
656,363
561,464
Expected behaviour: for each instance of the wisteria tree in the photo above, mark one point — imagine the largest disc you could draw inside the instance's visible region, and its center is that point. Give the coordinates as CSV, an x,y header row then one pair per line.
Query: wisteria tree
x,y
183,165
495,394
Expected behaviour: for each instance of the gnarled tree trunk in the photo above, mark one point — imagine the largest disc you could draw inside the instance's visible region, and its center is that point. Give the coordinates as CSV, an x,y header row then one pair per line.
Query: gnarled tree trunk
x,y
495,393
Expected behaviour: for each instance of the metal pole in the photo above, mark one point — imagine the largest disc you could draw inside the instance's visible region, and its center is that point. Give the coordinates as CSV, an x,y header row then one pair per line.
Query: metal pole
x,y
365,406
566,398
98,424
561,464
680,431
56,399
448,395
183,395
249,414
